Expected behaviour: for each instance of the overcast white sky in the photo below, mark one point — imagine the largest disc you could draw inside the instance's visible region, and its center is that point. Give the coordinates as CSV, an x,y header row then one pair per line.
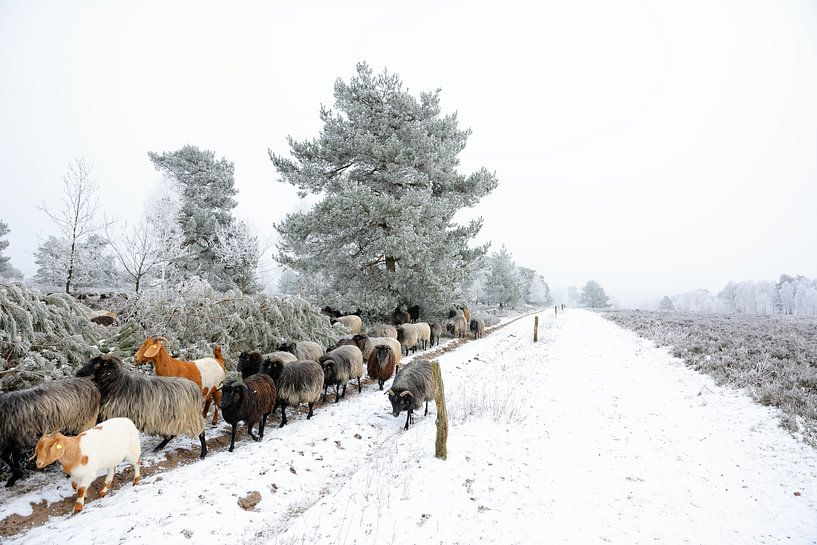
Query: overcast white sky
x,y
653,146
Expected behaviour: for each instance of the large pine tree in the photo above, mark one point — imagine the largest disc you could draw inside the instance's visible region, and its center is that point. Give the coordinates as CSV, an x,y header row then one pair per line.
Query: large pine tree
x,y
207,194
385,165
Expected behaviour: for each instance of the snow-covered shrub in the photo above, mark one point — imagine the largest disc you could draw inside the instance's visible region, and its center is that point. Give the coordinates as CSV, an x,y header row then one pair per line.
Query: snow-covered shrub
x,y
41,336
194,317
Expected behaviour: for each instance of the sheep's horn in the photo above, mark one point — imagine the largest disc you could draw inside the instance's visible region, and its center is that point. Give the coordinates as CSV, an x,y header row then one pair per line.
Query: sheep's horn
x,y
405,393
162,339
389,392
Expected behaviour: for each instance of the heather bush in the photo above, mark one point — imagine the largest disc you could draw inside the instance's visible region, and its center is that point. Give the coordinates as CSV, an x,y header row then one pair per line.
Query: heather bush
x,y
773,357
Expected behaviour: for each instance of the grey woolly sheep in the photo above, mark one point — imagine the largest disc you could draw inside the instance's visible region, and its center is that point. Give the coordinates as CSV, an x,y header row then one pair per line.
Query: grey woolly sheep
x,y
295,383
341,365
383,330
250,400
413,386
67,406
304,350
164,406
457,326
477,327
408,337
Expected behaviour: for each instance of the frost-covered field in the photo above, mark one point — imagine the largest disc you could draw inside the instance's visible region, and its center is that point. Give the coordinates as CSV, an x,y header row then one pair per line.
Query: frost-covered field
x,y
773,357
592,435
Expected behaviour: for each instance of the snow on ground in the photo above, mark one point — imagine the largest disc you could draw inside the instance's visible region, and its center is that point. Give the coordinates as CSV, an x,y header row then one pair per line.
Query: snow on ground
x,y
590,436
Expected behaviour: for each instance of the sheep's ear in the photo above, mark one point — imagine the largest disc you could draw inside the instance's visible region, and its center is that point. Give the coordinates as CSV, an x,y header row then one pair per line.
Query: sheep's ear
x,y
153,350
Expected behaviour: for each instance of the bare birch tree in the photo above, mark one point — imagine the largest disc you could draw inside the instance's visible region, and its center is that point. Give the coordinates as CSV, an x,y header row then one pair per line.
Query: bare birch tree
x,y
78,216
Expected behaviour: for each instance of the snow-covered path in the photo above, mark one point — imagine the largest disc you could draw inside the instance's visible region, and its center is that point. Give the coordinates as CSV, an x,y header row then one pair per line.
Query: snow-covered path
x,y
590,436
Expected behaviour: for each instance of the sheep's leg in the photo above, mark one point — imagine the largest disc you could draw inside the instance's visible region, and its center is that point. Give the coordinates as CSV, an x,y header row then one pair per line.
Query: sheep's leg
x,y
203,446
16,467
325,388
206,406
426,413
380,383
249,430
359,388
284,412
408,418
108,482
216,395
262,425
309,414
337,392
163,444
232,437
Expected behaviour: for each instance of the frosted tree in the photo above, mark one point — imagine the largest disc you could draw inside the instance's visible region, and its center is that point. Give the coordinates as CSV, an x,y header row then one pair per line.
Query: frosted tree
x,y
238,252
787,297
385,166
78,217
535,290
139,251
593,296
93,264
666,304
4,259
207,196
573,296
503,285
728,295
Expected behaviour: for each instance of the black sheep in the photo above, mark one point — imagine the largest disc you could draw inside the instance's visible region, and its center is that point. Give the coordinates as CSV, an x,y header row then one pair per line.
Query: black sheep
x,y
251,401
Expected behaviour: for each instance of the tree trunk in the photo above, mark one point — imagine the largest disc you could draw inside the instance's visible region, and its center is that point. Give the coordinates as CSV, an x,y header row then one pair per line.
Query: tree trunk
x,y
440,447
536,329
70,267
138,278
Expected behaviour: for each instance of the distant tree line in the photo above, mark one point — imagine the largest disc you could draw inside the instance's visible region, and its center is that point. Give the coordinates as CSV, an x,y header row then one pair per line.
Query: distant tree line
x,y
790,295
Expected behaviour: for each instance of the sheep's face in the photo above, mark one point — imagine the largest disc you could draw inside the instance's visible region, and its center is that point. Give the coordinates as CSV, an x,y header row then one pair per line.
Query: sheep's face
x,y
231,394
400,402
328,370
360,341
382,353
100,367
401,334
273,369
450,328
288,347
50,448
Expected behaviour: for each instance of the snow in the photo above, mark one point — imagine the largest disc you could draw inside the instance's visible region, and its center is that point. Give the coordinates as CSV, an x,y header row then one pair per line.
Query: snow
x,y
591,435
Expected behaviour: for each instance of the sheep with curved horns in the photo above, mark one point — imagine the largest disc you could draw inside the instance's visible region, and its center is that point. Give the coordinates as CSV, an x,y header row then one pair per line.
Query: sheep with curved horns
x,y
295,383
251,400
341,365
69,405
208,373
413,386
103,447
303,350
163,406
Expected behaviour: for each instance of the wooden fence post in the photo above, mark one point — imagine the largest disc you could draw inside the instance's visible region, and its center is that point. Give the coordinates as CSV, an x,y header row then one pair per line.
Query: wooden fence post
x,y
441,450
536,329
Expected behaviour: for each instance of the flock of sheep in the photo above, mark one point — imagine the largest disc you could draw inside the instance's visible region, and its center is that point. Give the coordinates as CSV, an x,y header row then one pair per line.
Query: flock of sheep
x,y
106,406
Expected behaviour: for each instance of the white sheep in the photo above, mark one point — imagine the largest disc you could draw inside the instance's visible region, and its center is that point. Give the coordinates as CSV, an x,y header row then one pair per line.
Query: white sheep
x,y
103,447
